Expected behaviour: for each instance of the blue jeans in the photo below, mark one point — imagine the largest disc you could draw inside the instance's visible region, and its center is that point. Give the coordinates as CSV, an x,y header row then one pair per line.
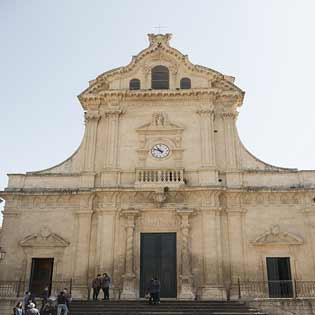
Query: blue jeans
x,y
62,307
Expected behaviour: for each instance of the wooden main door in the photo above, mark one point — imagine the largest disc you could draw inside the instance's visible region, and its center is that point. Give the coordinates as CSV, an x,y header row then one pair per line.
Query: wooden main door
x,y
158,259
41,275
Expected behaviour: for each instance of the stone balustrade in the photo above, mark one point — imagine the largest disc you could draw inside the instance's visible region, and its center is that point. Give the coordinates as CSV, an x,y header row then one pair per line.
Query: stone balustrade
x,y
160,176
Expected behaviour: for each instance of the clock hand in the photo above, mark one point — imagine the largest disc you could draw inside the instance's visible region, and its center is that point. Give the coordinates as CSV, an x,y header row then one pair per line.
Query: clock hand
x,y
158,149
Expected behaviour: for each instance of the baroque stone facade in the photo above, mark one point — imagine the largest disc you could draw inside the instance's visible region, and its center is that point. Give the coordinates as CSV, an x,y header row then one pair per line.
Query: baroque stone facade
x,y
229,210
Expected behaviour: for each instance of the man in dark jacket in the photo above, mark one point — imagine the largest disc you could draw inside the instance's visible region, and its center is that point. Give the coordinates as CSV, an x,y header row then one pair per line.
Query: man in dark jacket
x,y
156,291
149,290
96,286
62,304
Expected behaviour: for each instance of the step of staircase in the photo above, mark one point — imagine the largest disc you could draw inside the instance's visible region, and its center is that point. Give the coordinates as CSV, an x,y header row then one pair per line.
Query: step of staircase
x,y
79,307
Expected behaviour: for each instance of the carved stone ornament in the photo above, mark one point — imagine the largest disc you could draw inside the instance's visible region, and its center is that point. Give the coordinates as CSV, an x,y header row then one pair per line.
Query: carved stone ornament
x,y
158,197
160,122
45,238
276,237
158,39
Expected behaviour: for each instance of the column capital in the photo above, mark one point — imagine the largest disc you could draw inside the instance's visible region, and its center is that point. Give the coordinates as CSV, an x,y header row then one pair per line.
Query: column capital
x,y
92,116
236,211
185,212
112,112
205,109
130,213
229,115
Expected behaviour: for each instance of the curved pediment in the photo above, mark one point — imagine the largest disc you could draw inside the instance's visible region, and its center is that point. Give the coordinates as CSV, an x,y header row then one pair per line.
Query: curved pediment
x,y
159,52
45,238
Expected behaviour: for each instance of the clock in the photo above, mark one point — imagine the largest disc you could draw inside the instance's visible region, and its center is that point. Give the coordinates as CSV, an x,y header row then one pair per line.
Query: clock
x,y
160,151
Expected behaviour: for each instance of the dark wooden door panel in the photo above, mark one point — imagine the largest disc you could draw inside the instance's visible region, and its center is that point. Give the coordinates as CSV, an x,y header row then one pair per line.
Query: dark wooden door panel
x,y
279,277
158,259
41,275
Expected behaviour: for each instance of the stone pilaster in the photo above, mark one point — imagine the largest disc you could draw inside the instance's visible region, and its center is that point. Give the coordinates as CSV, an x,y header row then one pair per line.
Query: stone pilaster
x,y
207,173
129,278
236,245
110,175
91,118
230,137
112,134
309,219
212,288
82,247
186,278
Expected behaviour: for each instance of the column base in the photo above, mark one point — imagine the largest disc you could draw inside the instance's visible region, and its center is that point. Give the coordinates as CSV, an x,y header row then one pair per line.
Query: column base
x,y
129,290
234,292
186,292
213,292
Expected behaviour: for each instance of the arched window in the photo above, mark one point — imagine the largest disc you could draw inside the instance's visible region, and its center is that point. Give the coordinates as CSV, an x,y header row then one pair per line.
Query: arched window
x,y
160,78
185,83
134,84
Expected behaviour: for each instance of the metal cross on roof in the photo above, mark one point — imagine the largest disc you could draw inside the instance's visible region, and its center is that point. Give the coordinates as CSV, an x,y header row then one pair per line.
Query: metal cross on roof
x,y
159,27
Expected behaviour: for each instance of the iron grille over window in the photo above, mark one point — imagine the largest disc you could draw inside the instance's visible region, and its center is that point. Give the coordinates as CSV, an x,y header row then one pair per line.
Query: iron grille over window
x,y
134,84
160,78
185,83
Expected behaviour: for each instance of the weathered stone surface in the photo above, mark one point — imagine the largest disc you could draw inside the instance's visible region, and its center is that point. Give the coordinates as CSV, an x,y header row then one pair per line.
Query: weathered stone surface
x,y
229,209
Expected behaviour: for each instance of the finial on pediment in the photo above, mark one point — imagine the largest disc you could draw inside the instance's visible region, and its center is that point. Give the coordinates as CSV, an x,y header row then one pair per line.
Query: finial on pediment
x,y
159,39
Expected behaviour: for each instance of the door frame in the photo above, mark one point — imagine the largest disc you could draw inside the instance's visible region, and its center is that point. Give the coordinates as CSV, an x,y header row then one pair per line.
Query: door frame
x,y
176,258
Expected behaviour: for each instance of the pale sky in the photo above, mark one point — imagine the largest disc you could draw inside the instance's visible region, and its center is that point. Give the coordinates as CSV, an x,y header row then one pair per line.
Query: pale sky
x,y
49,50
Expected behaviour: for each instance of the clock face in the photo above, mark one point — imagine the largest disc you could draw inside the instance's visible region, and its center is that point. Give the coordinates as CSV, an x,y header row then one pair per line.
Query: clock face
x,y
160,151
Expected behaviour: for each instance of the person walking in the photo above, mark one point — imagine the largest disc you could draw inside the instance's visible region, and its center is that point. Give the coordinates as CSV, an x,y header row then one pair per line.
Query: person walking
x,y
18,309
68,297
96,285
45,296
26,299
62,304
32,310
105,284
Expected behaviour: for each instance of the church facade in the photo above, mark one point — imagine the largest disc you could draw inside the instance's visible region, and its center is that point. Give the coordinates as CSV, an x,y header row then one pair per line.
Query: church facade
x,y
161,185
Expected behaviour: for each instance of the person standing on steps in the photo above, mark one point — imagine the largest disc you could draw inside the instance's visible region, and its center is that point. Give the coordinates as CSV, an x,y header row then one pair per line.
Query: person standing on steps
x,y
26,299
105,284
96,286
18,309
156,291
149,290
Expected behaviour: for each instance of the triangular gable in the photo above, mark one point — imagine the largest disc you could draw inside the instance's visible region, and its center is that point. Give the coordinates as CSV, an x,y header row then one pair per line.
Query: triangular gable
x,y
276,237
44,238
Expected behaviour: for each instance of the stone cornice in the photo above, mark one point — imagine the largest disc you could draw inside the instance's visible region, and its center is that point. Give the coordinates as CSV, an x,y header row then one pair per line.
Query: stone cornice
x,y
107,96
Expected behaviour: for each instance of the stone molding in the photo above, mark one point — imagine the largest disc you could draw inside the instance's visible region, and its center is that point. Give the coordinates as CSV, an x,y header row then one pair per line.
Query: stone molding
x,y
201,198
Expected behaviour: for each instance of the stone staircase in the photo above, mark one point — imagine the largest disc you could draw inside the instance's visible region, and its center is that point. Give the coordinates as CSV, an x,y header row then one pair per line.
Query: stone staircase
x,y
166,307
